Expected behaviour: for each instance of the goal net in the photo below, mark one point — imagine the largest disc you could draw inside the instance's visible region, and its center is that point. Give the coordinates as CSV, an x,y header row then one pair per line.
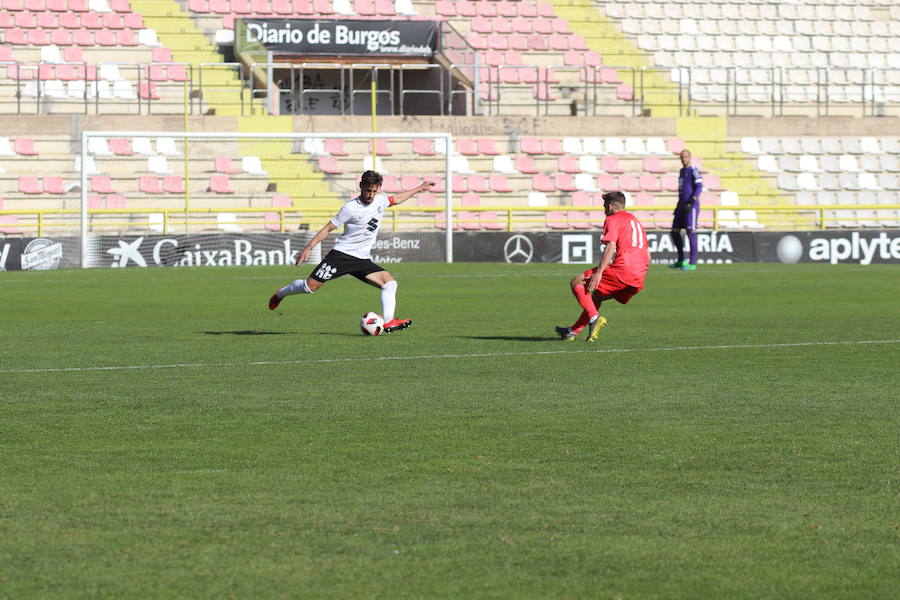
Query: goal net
x,y
271,190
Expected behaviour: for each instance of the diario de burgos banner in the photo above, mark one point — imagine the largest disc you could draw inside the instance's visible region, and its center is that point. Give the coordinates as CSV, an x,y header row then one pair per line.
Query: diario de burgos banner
x,y
340,37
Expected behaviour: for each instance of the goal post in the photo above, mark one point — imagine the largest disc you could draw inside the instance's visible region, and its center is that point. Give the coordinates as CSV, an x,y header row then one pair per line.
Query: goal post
x,y
177,173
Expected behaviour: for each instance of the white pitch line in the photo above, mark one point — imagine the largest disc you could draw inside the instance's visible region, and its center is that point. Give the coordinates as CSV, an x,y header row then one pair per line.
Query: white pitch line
x,y
440,356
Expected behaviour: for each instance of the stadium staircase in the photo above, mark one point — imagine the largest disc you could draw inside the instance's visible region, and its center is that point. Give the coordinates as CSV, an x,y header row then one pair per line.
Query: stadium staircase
x,y
176,30
290,173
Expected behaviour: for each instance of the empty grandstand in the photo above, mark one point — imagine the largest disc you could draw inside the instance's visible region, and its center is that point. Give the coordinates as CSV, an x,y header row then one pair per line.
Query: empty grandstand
x,y
789,108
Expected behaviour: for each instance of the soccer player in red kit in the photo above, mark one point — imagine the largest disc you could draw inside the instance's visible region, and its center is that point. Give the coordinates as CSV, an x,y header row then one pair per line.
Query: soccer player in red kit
x,y
620,274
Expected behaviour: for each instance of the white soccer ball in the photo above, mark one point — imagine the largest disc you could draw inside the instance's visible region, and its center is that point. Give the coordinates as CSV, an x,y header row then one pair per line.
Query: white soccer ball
x,y
371,323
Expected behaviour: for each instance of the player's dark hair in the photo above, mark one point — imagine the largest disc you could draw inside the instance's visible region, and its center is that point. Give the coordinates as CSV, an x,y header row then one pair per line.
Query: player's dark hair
x,y
614,198
370,178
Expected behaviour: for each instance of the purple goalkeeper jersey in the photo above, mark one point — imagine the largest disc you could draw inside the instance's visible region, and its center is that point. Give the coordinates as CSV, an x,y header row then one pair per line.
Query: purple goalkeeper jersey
x,y
690,184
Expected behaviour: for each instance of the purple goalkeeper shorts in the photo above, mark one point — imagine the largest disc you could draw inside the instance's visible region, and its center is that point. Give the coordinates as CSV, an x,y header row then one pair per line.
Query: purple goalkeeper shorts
x,y
686,218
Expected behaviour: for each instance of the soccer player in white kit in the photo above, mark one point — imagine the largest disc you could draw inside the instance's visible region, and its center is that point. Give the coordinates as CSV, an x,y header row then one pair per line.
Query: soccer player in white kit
x,y
352,252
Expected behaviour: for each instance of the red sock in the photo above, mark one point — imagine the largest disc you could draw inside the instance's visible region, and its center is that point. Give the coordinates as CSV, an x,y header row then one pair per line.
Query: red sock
x,y
585,300
581,323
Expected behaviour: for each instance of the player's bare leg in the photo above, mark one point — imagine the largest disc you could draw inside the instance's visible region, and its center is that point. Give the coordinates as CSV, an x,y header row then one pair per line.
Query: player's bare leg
x,y
388,285
298,286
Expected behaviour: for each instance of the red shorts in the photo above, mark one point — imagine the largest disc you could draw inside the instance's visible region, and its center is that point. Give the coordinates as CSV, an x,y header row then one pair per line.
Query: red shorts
x,y
611,286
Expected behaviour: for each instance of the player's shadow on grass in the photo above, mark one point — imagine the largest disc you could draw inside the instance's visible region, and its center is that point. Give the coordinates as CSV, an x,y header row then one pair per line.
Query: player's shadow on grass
x,y
511,338
248,332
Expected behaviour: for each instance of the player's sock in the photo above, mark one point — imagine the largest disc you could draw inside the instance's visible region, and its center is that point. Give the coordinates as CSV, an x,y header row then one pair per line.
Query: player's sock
x,y
584,299
692,236
581,323
296,287
388,300
679,245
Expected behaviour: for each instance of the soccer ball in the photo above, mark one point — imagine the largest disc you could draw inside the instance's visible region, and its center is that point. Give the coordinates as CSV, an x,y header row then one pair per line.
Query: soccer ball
x,y
371,323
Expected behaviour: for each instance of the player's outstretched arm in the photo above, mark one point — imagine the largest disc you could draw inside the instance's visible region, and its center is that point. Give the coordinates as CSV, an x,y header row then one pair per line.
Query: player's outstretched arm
x,y
320,235
401,197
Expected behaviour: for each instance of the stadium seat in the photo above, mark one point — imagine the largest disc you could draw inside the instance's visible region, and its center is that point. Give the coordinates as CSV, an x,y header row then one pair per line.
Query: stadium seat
x,y
503,164
228,222
30,185
9,225
610,164
629,183
525,164
329,165
568,164
149,184
537,199
220,184
253,166
224,164
173,184
54,185
159,165
586,182
542,183
25,147
102,184
487,146
500,184
652,164
479,184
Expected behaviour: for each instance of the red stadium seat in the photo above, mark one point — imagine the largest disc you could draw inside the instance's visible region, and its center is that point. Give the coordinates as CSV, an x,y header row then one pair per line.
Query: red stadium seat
x,y
25,147
499,183
54,185
30,185
466,146
220,184
329,165
564,182
542,183
335,147
568,164
173,184
525,164
423,147
102,184
531,146
669,183
629,183
610,164
9,225
552,146
149,184
224,164
608,183
488,146
479,184
649,183
652,164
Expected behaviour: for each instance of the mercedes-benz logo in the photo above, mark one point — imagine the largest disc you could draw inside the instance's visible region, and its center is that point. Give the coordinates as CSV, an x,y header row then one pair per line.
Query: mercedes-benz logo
x,y
518,249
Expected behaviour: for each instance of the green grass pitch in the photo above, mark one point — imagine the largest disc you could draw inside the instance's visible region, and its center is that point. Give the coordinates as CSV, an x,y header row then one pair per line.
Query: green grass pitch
x,y
734,433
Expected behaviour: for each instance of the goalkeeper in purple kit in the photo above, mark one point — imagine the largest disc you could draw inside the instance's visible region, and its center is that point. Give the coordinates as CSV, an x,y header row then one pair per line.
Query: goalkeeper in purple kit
x,y
687,212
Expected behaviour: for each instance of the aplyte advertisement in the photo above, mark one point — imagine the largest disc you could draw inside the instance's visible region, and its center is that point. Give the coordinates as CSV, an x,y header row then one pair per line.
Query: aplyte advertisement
x,y
340,37
832,247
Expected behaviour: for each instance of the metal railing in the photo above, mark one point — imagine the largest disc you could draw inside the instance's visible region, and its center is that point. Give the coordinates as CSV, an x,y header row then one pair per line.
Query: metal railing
x,y
597,89
37,222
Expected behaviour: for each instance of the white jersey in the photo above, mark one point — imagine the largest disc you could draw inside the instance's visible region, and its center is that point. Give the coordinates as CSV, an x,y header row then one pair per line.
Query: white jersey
x,y
360,222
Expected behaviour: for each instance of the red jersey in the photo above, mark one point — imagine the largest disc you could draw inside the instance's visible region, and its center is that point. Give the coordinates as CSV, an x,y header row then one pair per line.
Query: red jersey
x,y
632,251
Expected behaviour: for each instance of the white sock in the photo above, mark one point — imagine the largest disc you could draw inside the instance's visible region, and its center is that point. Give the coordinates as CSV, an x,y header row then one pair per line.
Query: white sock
x,y
296,287
388,300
